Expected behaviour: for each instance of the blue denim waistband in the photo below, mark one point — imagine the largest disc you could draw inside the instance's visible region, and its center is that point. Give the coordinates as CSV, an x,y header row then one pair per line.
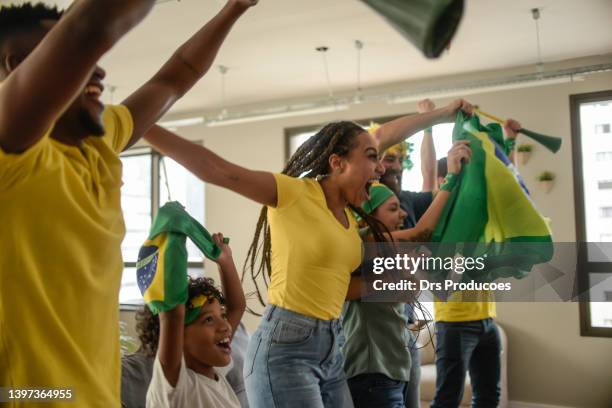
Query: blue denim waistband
x,y
276,312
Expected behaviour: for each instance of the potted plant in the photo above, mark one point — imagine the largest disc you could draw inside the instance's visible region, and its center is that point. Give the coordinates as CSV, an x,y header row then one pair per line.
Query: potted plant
x,y
546,179
523,152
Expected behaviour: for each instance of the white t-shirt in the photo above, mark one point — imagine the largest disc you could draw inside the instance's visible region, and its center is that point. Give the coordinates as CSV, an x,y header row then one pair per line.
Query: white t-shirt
x,y
192,390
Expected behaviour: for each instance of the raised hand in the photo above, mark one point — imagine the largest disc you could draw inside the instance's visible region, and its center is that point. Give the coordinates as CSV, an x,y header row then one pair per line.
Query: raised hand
x,y
512,127
458,154
456,105
244,3
426,105
226,252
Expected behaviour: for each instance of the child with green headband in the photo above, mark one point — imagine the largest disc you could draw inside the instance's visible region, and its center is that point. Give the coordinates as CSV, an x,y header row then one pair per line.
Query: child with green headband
x,y
376,347
192,339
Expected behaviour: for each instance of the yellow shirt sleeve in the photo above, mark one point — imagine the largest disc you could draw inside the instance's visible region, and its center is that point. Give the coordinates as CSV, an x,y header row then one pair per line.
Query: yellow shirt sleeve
x,y
288,189
119,127
15,166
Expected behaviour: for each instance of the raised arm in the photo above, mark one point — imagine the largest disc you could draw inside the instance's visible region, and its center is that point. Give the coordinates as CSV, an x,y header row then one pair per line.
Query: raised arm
x,y
181,72
512,127
427,223
428,151
235,303
258,186
42,85
170,348
397,130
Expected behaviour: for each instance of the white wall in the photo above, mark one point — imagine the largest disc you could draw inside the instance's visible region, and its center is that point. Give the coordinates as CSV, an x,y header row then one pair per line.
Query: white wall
x,y
548,360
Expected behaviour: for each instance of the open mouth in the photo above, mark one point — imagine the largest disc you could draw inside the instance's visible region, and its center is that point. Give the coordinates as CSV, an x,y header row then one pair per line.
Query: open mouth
x,y
94,90
225,345
368,185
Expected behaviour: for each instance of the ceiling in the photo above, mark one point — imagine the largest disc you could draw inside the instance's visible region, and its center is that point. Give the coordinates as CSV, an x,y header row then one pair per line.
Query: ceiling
x,y
271,51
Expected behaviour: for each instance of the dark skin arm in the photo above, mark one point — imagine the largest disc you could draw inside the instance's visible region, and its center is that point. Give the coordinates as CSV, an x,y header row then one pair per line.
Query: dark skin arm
x,y
181,72
170,348
258,186
235,302
42,85
172,323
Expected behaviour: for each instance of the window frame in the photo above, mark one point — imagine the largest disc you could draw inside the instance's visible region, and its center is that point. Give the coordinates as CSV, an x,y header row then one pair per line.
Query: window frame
x,y
156,162
293,131
584,267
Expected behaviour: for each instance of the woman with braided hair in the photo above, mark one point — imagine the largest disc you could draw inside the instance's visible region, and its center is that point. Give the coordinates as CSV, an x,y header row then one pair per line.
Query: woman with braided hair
x,y
310,247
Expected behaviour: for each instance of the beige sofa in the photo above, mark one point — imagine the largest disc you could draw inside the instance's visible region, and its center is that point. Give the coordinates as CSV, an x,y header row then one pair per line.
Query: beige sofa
x,y
428,370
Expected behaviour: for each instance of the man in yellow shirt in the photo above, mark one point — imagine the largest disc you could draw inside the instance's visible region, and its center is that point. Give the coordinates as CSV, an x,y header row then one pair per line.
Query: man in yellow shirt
x,y
467,337
60,179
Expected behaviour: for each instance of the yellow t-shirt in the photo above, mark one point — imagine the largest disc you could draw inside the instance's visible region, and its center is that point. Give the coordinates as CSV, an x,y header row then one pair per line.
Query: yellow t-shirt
x,y
465,306
313,254
61,265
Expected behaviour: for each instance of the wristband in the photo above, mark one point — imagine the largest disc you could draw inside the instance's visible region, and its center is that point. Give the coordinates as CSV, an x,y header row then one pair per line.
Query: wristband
x,y
428,130
509,145
450,181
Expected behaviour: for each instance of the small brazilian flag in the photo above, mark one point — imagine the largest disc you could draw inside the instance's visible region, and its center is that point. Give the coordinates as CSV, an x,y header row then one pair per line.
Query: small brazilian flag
x,y
161,269
490,206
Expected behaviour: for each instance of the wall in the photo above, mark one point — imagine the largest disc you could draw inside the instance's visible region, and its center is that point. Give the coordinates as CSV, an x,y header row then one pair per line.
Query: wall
x,y
549,362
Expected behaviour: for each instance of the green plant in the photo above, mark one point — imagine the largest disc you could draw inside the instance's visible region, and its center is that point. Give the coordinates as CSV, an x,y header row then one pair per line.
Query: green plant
x,y
546,176
525,147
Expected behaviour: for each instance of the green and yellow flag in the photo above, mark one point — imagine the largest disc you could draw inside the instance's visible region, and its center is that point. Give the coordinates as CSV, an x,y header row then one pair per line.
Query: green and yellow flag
x,y
490,211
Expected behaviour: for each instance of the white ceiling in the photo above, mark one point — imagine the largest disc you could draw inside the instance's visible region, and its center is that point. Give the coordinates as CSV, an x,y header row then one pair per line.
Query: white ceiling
x,y
271,51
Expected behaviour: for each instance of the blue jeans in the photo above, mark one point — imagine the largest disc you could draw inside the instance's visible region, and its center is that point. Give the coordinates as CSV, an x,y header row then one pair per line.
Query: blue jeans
x,y
294,361
463,346
412,395
376,391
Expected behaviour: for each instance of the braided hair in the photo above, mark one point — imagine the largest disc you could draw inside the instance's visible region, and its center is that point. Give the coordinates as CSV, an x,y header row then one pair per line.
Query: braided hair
x,y
310,160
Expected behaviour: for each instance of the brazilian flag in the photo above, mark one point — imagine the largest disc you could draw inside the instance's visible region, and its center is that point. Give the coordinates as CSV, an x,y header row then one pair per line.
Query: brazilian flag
x,y
489,212
161,270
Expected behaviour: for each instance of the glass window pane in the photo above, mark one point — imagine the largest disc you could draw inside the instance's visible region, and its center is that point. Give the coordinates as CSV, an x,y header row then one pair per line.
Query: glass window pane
x,y
412,180
600,294
130,294
186,189
296,141
595,119
135,203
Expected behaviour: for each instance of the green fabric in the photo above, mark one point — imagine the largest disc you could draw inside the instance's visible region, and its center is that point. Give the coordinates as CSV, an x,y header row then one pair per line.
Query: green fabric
x,y
162,261
509,145
450,181
379,193
490,211
428,24
172,217
377,339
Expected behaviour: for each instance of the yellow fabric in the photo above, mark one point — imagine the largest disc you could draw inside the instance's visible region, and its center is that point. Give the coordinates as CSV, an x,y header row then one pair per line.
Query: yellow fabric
x,y
60,269
156,291
313,255
465,306
504,197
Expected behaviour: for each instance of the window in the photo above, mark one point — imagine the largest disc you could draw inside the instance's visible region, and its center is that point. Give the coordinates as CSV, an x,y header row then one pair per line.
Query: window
x,y
602,128
603,156
593,210
605,212
412,180
145,189
604,184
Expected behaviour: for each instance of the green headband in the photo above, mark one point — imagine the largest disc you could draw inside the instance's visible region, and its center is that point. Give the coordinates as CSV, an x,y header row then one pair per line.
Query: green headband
x,y
379,193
